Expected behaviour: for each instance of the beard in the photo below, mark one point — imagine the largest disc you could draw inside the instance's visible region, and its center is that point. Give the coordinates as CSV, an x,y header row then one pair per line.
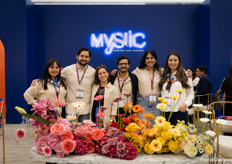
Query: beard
x,y
83,64
124,70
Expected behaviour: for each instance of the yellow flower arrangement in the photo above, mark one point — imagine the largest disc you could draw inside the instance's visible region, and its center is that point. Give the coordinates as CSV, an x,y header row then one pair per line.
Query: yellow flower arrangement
x,y
156,145
166,126
132,127
173,145
167,135
147,149
162,140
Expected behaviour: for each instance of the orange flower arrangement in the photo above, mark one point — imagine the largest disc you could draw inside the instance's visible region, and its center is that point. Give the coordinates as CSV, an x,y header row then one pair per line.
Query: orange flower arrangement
x,y
136,108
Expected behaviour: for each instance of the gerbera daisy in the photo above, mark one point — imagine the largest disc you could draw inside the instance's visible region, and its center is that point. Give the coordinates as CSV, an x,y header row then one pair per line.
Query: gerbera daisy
x,y
180,91
136,108
20,133
161,106
128,106
47,151
174,97
160,120
156,145
137,120
149,116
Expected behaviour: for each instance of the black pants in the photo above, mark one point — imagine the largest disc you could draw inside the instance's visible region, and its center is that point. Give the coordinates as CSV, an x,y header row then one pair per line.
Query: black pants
x,y
177,116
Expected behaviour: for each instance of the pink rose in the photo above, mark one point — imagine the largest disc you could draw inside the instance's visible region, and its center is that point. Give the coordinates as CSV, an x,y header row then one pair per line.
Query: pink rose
x,y
57,129
97,134
68,146
67,135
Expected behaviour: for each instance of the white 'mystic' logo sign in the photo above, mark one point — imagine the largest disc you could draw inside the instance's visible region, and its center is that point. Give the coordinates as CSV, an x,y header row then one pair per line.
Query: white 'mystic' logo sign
x,y
118,40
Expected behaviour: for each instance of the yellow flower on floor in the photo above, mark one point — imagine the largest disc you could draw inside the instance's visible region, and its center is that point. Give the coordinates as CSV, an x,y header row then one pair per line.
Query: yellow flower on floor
x,y
156,145
160,120
162,140
180,91
167,135
161,99
208,149
132,127
161,106
147,149
174,97
173,145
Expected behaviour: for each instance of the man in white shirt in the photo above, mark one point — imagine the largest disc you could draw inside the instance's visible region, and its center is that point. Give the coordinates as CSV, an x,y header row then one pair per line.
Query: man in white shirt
x,y
79,79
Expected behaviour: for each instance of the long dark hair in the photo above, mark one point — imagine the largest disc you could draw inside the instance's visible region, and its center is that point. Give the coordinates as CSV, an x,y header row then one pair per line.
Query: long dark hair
x,y
193,72
181,75
156,65
96,79
47,76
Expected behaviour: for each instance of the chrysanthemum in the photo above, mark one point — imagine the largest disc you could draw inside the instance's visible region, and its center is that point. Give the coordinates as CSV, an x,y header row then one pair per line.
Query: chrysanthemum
x,y
210,133
136,108
160,120
156,145
20,133
47,151
105,149
204,120
120,146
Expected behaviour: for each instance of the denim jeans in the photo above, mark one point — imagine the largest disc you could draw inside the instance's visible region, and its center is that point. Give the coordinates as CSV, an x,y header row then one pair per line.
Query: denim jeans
x,y
83,117
149,108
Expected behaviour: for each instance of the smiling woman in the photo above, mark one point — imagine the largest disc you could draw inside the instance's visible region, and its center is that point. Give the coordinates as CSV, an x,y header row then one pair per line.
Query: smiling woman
x,y
50,86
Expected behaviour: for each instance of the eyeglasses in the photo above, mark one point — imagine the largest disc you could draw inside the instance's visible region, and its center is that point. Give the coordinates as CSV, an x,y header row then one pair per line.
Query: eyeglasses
x,y
122,63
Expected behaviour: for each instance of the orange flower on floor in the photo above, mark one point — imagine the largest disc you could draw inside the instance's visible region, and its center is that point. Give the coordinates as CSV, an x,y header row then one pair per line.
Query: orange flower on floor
x,y
136,108
128,106
137,120
148,116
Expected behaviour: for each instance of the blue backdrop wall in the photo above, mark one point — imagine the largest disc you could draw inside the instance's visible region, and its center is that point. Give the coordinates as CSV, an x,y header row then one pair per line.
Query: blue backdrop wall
x,y
34,34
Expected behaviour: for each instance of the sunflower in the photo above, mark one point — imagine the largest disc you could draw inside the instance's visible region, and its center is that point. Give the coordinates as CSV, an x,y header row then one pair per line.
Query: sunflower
x,y
136,108
160,120
137,120
156,145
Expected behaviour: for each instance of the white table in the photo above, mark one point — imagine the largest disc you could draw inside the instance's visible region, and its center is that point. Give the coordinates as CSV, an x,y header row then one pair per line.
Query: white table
x,y
103,159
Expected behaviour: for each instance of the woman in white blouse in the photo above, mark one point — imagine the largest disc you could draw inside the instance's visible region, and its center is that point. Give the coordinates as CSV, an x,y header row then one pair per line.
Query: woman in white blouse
x,y
175,78
193,75
51,85
149,73
102,86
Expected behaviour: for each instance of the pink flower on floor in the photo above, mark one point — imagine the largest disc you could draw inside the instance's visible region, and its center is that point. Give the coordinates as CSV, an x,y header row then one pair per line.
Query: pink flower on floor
x,y
99,97
90,147
67,135
20,133
68,146
57,129
47,151
97,134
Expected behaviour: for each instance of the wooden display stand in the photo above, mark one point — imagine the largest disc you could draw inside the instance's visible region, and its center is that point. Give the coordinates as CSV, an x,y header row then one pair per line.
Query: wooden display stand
x,y
2,128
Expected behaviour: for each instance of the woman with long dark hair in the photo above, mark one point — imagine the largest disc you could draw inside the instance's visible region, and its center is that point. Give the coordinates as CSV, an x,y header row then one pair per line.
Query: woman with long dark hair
x,y
51,85
227,89
102,86
175,78
192,74
148,73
